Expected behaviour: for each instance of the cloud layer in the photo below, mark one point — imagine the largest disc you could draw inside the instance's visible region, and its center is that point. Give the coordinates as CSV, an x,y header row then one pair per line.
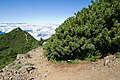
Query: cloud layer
x,y
37,31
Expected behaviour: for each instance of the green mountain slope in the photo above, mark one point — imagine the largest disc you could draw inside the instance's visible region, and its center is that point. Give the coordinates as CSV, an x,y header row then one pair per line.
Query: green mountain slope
x,y
93,32
13,43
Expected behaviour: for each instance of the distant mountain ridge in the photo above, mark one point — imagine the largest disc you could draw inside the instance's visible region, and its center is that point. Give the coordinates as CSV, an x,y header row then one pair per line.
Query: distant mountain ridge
x,y
37,31
13,43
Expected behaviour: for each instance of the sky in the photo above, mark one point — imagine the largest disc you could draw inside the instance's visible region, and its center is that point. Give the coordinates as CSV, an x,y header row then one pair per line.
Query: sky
x,y
39,11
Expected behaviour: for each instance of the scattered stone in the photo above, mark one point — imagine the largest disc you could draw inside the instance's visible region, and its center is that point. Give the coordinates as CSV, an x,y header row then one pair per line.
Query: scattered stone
x,y
31,78
1,77
1,71
29,69
32,70
28,56
20,56
46,74
108,59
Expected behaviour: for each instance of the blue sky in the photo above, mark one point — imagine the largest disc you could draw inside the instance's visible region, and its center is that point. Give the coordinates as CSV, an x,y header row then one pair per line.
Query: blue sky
x,y
39,11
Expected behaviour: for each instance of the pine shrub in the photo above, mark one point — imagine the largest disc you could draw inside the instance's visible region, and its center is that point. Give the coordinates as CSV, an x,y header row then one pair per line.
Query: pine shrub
x,y
92,32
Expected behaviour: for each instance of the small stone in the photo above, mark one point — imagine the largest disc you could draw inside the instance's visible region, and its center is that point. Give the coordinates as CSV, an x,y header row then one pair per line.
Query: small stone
x,y
31,78
1,77
29,69
106,62
1,71
46,74
28,56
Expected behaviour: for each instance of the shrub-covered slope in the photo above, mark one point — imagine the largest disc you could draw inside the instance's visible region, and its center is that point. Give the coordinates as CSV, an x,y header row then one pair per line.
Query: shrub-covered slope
x,y
92,32
13,43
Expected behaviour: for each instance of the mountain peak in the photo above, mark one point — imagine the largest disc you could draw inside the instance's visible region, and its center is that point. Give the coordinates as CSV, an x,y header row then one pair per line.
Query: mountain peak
x,y
13,43
17,29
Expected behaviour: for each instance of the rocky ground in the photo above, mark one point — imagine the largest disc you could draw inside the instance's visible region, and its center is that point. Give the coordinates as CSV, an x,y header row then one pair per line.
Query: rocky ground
x,y
34,66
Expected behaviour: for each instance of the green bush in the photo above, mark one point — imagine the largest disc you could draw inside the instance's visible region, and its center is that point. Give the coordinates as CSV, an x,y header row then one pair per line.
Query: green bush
x,y
93,32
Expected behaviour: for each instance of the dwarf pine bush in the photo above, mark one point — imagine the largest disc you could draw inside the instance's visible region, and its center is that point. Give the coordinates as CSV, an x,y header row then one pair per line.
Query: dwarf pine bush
x,y
92,32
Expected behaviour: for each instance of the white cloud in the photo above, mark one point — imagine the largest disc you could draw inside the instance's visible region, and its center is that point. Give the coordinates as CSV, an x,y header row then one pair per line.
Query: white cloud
x,y
37,31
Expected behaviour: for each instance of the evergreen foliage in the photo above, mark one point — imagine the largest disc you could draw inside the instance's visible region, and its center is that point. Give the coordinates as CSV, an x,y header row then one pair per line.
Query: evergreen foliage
x,y
92,32
13,43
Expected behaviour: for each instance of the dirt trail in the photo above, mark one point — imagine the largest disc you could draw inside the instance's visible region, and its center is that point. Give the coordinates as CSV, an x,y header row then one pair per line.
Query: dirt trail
x,y
85,70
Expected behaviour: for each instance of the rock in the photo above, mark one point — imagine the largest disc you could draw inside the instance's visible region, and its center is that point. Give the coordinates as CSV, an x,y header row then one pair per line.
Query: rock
x,y
106,62
28,56
26,69
111,57
20,56
1,71
23,56
46,74
29,69
31,78
1,77
16,78
108,59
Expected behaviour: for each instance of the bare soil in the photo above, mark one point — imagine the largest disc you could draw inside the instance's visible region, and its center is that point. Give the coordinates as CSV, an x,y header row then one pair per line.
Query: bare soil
x,y
103,69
